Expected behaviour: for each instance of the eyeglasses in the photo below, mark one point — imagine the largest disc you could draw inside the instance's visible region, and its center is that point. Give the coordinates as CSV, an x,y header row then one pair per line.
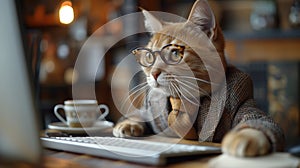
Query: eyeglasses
x,y
171,54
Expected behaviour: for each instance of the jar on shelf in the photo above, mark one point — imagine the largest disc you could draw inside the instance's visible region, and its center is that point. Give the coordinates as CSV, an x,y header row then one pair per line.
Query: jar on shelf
x,y
264,15
294,16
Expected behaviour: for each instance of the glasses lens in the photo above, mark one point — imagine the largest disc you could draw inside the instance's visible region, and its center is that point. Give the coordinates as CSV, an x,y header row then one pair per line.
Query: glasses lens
x,y
172,54
144,57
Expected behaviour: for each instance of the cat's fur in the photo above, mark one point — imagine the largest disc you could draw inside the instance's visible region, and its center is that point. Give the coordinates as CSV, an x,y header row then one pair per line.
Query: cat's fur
x,y
243,129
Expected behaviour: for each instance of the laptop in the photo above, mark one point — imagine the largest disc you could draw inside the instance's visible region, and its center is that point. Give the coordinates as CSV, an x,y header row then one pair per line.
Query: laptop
x,y
19,130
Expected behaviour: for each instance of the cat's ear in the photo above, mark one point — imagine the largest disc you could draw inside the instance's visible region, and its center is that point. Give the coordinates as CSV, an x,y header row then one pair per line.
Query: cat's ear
x,y
202,15
152,24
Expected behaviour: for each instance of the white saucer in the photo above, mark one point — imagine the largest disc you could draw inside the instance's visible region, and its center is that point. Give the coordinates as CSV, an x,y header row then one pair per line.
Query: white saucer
x,y
100,125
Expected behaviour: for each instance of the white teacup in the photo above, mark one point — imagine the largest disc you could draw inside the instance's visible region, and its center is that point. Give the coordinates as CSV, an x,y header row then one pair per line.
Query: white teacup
x,y
81,113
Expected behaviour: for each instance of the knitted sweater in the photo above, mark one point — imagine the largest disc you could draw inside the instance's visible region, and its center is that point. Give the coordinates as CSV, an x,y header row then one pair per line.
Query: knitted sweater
x,y
232,108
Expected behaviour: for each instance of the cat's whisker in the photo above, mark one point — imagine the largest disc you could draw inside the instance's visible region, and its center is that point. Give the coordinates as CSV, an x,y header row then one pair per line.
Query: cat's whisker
x,y
194,78
144,87
135,90
196,88
198,79
190,87
182,95
188,84
183,105
204,93
141,89
178,82
190,95
132,89
134,99
172,92
175,89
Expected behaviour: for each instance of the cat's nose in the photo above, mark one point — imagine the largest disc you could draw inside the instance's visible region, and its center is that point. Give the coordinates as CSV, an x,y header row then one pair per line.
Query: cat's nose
x,y
155,74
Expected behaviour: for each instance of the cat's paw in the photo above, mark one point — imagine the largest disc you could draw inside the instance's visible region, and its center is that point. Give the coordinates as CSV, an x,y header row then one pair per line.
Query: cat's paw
x,y
128,128
246,143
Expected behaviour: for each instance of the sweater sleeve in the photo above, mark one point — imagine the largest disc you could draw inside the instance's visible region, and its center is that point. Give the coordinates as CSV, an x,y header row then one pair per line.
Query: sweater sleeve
x,y
249,116
244,111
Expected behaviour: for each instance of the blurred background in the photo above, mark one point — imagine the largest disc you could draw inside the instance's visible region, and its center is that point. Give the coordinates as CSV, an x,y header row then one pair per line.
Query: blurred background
x,y
262,38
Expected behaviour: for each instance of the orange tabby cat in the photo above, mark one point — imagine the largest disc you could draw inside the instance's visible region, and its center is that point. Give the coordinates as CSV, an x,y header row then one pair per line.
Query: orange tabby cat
x,y
177,106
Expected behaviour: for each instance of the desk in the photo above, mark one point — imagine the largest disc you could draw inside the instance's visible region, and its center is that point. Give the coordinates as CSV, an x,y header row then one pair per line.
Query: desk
x,y
59,159
64,159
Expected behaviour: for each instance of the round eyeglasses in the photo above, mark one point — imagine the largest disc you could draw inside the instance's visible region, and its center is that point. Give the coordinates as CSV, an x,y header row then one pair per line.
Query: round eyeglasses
x,y
171,54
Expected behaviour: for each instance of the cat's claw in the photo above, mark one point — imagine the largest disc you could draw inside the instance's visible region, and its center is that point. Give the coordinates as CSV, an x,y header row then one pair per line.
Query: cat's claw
x,y
246,143
128,129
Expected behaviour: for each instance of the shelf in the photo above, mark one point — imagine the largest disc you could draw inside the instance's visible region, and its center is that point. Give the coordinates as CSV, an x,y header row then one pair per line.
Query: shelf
x,y
272,45
267,34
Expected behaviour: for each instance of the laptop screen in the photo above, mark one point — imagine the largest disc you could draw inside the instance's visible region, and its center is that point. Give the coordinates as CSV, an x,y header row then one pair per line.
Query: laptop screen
x,y
18,127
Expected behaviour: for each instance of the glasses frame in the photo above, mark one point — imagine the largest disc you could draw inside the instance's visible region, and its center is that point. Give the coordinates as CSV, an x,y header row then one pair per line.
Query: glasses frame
x,y
181,47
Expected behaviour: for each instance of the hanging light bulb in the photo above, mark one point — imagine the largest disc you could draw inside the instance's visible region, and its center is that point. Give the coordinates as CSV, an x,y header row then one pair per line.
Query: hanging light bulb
x,y
66,13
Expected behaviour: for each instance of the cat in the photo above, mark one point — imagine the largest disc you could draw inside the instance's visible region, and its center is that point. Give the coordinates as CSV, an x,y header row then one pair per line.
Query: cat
x,y
242,129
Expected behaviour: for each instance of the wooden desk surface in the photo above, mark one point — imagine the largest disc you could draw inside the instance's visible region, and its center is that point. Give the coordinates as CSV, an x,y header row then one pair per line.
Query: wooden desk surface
x,y
60,159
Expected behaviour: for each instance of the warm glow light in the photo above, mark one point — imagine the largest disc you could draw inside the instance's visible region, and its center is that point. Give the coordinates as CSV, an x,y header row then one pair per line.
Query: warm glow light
x,y
66,13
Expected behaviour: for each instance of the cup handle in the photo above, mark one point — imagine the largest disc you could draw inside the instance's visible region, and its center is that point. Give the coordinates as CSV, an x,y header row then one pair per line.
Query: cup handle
x,y
105,113
59,106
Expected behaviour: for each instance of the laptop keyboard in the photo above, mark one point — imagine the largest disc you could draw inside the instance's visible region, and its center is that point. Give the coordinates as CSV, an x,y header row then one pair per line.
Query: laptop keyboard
x,y
142,151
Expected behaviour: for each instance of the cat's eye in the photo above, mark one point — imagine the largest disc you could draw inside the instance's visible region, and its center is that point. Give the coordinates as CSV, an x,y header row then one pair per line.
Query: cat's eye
x,y
175,55
144,56
171,54
148,58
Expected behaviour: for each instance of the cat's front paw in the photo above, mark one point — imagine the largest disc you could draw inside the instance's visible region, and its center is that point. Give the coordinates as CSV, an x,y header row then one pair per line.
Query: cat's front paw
x,y
128,128
246,143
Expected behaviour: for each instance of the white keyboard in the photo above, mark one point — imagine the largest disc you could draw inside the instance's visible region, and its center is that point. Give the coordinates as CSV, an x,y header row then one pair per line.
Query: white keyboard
x,y
140,151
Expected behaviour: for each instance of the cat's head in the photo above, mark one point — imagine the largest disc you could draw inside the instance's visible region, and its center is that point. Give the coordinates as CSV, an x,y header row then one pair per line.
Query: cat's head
x,y
181,68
